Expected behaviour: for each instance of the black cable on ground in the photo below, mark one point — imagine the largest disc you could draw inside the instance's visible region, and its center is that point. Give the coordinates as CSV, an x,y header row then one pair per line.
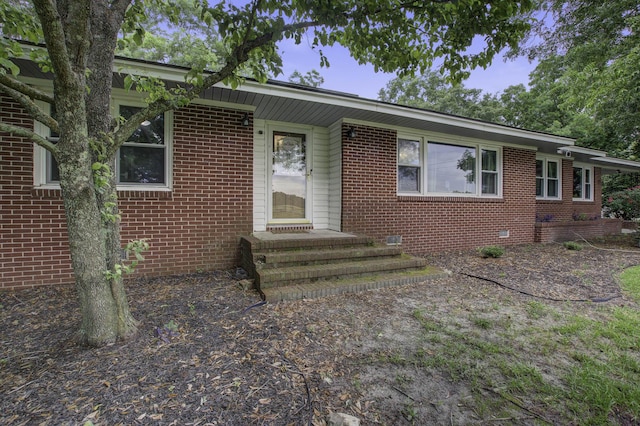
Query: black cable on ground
x,y
594,300
261,303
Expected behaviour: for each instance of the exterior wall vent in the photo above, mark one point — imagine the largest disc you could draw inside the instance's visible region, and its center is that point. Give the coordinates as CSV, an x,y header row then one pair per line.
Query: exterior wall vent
x,y
394,240
504,233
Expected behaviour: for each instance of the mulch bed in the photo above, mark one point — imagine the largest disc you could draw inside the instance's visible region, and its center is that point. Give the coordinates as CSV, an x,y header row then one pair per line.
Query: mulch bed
x,y
201,358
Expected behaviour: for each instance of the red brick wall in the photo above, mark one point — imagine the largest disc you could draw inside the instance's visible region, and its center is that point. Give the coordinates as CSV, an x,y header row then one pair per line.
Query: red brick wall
x,y
196,226
372,207
547,232
565,209
33,249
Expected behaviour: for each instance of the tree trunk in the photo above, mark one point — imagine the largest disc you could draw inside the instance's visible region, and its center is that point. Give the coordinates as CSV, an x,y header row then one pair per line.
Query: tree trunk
x,y
86,242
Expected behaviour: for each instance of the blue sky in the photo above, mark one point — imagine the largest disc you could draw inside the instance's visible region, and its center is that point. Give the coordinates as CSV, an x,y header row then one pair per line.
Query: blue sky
x,y
345,75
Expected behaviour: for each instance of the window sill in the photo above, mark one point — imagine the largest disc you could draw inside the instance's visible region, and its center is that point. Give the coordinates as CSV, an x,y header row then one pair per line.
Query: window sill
x,y
549,200
448,198
132,192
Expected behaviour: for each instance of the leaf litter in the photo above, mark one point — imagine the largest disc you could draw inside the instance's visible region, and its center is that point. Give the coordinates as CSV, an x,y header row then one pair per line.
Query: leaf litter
x,y
201,359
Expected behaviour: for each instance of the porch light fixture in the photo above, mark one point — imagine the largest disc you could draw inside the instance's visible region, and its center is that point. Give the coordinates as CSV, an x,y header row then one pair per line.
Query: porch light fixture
x,y
245,120
351,133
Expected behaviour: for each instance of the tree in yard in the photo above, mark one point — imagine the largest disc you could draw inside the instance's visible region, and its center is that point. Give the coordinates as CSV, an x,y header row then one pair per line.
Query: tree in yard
x,y
82,37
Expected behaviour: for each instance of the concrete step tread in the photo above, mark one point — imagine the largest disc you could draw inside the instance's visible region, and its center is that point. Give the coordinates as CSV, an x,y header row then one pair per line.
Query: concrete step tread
x,y
305,256
295,243
281,276
351,285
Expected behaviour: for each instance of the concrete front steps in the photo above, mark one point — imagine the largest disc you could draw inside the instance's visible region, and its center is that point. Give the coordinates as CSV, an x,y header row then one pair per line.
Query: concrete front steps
x,y
322,263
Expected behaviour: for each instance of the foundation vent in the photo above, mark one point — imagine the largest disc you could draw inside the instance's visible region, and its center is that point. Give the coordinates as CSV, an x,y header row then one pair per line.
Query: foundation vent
x,y
394,240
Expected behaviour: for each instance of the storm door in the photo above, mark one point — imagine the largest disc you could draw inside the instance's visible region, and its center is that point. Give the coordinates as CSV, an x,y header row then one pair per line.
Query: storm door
x,y
289,178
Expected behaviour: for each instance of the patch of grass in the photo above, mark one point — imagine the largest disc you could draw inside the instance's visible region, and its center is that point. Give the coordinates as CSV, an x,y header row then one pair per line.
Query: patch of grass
x,y
536,310
491,251
482,323
410,413
596,383
572,245
630,279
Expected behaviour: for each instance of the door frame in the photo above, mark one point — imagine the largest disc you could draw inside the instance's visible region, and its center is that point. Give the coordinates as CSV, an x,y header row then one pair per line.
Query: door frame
x,y
308,133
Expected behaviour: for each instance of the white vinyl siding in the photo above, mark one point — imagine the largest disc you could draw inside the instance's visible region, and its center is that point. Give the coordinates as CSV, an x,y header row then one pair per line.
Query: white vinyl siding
x,y
319,188
335,177
260,188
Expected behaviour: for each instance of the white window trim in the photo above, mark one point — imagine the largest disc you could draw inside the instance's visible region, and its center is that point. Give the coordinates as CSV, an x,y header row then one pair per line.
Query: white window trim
x,y
40,154
419,166
584,167
443,139
545,171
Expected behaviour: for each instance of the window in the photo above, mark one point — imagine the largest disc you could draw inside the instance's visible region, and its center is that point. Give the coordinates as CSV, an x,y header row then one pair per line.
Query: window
x,y
438,168
547,178
409,165
489,172
142,161
582,183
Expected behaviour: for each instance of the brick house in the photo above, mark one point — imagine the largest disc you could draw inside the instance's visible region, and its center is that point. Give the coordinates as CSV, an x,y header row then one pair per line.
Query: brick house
x,y
284,157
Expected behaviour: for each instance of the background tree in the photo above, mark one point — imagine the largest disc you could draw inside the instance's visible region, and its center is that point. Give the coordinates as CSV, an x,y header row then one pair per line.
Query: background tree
x,y
81,39
431,90
311,78
593,48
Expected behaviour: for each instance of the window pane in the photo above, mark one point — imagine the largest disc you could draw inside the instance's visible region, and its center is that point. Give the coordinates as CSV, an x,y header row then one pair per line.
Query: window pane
x,y
151,132
539,168
539,187
577,182
408,152
53,173
490,183
552,170
552,188
408,179
451,169
141,165
489,160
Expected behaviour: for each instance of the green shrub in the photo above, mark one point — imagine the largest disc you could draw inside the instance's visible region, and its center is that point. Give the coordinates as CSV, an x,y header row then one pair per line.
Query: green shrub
x,y
623,204
572,245
491,251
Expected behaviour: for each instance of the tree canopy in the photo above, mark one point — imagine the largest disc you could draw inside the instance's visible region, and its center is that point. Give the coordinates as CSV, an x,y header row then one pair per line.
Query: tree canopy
x,y
592,49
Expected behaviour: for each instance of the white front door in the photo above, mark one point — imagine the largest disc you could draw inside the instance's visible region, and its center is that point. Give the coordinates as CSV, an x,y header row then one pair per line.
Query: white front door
x,y
290,175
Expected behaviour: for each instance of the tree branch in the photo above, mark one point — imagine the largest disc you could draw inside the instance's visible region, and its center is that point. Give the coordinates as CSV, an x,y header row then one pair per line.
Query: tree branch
x,y
34,110
119,7
239,56
29,134
54,36
25,89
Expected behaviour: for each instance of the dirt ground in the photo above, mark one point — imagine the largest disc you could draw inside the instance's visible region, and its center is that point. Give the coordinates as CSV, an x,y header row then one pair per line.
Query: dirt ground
x,y
202,358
